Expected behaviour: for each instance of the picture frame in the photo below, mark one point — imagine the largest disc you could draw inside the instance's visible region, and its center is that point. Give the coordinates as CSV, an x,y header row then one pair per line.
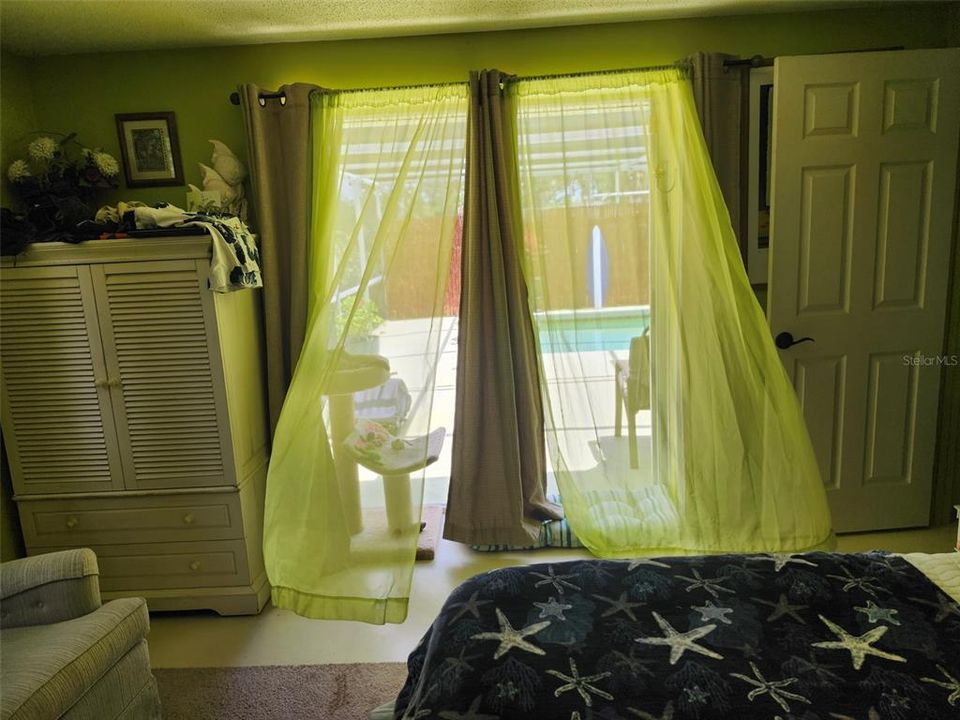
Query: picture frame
x,y
759,163
150,149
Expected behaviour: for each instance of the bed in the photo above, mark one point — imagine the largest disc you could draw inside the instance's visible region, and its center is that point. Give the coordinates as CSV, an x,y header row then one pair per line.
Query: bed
x,y
818,636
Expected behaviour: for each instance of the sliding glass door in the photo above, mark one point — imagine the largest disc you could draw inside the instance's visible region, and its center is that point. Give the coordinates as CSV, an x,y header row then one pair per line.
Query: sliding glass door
x,y
671,424
358,433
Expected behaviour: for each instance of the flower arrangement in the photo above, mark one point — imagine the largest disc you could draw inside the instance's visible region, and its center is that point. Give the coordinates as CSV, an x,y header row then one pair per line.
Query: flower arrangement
x,y
63,167
58,180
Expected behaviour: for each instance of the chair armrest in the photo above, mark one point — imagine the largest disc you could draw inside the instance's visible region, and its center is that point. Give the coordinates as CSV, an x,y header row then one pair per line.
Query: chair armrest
x,y
49,588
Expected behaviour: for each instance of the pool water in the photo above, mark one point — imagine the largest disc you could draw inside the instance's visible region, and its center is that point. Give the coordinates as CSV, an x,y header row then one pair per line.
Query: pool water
x,y
596,331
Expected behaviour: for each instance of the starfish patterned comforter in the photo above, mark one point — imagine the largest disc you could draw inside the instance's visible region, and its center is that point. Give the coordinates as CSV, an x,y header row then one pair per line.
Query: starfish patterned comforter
x,y
817,636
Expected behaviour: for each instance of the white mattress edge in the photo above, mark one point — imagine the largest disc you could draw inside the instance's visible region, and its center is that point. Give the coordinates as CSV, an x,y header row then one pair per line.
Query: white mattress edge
x,y
943,569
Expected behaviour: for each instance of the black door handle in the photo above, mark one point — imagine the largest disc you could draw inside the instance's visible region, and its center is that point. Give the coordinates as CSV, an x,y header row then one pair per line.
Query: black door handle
x,y
785,340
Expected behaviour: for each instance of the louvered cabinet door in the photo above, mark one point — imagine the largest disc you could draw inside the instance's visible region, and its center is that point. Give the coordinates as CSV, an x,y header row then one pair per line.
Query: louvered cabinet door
x,y
56,407
163,366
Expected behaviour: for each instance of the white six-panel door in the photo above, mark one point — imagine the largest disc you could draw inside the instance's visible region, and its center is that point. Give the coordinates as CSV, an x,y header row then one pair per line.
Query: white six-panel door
x,y
863,192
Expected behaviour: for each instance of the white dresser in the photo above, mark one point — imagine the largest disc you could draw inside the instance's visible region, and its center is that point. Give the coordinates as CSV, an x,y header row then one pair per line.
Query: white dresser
x,y
957,508
134,418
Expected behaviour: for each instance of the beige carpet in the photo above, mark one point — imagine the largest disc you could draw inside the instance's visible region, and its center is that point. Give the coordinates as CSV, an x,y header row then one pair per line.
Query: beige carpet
x,y
278,692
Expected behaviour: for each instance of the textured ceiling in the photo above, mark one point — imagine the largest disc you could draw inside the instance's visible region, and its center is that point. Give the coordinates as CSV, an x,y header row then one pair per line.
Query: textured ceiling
x,y
50,27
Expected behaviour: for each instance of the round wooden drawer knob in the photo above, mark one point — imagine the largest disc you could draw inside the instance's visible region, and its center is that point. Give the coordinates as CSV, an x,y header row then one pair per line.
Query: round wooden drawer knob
x,y
188,519
195,565
72,523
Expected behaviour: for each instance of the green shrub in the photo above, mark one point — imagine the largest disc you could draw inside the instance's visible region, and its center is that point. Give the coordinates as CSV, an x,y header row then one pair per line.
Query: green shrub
x,y
365,320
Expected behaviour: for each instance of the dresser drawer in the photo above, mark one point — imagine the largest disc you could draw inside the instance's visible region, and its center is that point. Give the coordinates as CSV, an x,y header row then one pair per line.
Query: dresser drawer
x,y
219,563
138,519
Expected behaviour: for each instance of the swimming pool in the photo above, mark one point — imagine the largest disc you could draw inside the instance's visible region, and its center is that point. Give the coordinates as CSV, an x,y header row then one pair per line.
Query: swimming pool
x,y
590,330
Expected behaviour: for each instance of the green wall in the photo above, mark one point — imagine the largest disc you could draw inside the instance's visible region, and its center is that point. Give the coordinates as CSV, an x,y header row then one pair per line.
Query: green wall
x,y
17,114
82,92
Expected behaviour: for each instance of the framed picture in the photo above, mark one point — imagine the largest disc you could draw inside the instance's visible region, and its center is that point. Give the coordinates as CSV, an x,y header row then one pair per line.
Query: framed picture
x,y
759,156
150,149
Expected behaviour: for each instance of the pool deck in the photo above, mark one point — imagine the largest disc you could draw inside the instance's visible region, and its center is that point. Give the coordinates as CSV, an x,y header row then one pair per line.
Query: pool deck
x,y
580,386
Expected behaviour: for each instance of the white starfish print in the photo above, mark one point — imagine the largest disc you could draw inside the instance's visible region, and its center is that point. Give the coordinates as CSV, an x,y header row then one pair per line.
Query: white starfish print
x,y
637,562
471,606
773,688
859,646
679,642
781,560
783,607
644,715
952,684
696,695
894,699
864,583
552,608
875,613
558,581
944,605
460,662
510,638
890,565
713,612
470,713
711,585
821,672
620,604
582,685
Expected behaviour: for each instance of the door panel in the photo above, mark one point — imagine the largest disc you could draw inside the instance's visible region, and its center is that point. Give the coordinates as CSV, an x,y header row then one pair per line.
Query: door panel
x,y
57,417
891,416
162,358
864,172
821,384
825,239
903,236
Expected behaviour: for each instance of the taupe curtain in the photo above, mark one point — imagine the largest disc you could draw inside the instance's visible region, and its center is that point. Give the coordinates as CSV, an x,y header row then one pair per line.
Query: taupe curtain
x,y
718,94
278,148
498,473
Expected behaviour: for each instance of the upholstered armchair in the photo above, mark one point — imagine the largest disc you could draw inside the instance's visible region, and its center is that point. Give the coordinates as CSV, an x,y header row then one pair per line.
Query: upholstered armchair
x,y
63,654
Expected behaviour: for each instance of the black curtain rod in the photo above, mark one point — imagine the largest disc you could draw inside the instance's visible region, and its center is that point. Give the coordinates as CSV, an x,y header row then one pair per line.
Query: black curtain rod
x,y
755,61
679,65
762,61
235,97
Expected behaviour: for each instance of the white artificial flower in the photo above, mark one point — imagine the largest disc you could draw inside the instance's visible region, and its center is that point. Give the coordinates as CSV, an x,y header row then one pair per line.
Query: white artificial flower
x,y
43,148
107,164
87,154
18,170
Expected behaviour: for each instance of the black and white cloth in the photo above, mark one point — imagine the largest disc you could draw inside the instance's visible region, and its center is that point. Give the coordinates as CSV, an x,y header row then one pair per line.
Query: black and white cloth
x,y
235,263
816,636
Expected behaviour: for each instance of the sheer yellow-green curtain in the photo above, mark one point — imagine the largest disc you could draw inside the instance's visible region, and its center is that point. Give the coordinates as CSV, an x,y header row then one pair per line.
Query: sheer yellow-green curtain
x,y
672,426
387,187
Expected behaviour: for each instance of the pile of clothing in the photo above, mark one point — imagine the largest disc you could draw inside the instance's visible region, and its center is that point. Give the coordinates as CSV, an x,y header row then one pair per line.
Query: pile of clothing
x,y
235,264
